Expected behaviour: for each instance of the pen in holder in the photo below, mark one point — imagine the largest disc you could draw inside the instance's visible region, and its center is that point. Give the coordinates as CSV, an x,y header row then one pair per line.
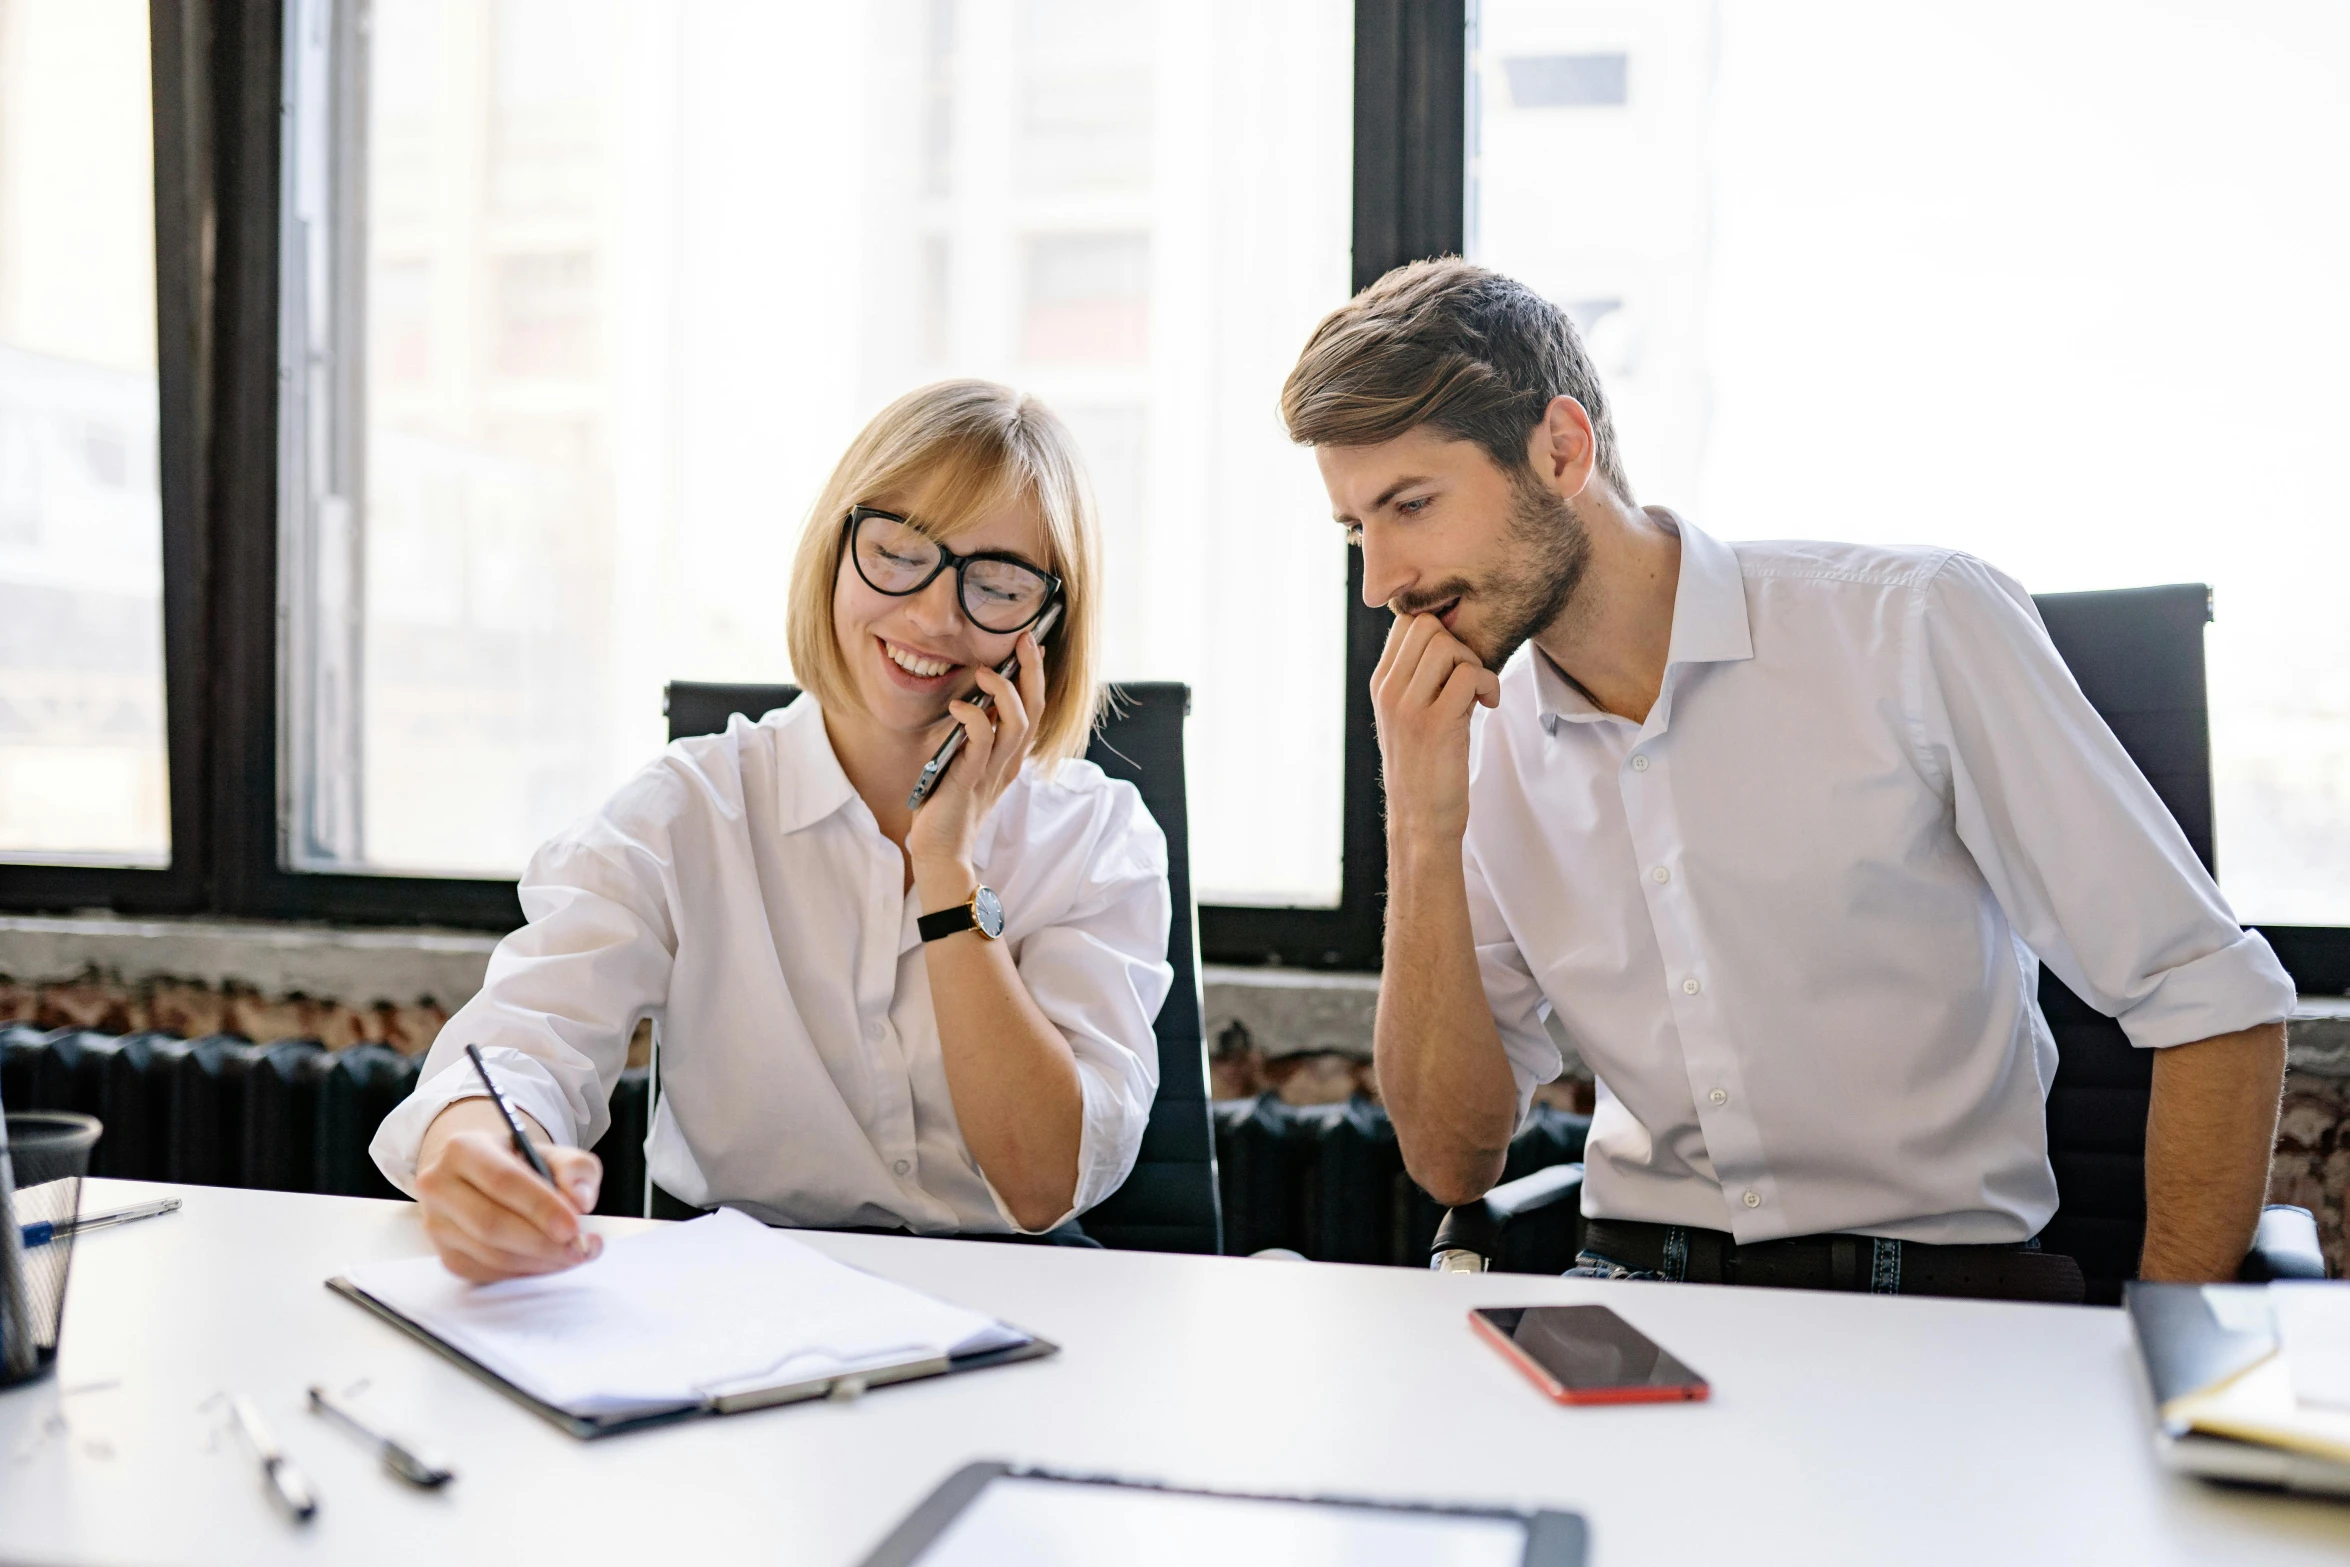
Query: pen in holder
x,y
43,1156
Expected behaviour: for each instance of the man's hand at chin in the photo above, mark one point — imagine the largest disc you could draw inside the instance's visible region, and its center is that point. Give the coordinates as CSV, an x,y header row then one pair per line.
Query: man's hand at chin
x,y
1447,1082
1427,684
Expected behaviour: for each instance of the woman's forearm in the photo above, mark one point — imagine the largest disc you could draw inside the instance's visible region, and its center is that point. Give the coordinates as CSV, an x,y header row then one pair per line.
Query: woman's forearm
x,y
1011,1074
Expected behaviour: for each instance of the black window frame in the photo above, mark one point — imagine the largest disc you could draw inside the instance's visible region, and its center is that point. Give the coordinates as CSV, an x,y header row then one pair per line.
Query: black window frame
x,y
180,50
218,85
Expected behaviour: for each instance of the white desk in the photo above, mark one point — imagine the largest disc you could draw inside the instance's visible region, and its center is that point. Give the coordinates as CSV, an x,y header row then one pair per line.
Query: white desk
x,y
1842,1428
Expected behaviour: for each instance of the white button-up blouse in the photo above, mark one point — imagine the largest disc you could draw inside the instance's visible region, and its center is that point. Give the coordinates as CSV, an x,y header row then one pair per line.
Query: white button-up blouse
x,y
1793,920
739,892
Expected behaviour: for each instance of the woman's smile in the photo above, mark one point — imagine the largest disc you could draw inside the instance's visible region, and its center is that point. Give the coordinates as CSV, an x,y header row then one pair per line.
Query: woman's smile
x,y
913,668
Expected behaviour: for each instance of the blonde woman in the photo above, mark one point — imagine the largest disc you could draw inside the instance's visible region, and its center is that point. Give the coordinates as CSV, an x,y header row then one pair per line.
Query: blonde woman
x,y
934,1020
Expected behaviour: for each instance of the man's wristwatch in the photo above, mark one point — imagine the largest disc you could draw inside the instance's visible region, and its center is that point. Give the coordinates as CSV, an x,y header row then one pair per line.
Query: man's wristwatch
x,y
984,914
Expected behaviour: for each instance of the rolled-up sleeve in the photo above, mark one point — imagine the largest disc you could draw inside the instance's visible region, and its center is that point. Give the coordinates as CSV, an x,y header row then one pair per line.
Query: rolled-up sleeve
x,y
1099,974
561,998
2084,858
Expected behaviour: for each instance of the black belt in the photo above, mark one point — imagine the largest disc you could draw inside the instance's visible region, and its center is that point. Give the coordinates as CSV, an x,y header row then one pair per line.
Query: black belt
x,y
1862,1263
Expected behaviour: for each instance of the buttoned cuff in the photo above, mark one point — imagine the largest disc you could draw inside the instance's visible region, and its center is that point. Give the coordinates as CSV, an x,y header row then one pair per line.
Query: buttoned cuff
x,y
524,1082
2242,985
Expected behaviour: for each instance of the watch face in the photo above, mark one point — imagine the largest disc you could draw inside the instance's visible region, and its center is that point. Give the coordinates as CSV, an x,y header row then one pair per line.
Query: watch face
x,y
987,912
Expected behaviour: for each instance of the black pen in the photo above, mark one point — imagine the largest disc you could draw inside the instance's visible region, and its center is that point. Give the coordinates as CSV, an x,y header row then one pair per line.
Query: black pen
x,y
522,1144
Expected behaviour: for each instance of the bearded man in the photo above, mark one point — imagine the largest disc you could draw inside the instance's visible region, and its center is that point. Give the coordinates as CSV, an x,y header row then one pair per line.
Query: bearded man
x,y
1778,832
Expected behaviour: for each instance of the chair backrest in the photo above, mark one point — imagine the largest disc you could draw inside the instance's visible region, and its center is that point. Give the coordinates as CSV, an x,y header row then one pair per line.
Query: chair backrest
x,y
1169,1202
2138,655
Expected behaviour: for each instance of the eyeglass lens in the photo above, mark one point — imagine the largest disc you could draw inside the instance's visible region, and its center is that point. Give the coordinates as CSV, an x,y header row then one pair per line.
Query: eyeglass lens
x,y
998,595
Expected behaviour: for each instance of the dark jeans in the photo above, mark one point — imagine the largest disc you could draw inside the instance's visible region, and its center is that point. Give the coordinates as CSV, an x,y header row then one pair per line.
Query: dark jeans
x,y
1069,1234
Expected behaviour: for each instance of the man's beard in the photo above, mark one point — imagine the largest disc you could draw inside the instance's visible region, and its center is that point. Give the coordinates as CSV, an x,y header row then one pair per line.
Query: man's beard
x,y
1547,554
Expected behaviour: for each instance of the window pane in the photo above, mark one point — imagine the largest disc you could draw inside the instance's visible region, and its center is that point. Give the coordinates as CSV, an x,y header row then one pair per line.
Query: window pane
x,y
630,273
2059,285
81,540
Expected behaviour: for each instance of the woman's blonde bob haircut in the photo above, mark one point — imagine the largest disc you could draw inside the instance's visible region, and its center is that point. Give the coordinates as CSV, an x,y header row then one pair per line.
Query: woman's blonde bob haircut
x,y
945,456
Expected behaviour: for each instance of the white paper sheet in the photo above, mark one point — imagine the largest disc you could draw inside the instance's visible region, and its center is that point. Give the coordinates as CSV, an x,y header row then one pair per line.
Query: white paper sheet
x,y
2313,1328
675,1316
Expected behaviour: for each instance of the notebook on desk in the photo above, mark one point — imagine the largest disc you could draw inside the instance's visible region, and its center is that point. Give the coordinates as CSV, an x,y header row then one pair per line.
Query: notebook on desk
x,y
709,1317
2251,1383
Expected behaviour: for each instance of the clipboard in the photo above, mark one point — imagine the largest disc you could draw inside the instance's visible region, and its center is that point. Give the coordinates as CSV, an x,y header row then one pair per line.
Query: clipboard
x,y
839,1387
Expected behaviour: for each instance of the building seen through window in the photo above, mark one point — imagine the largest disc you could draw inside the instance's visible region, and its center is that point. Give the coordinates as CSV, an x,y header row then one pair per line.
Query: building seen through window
x,y
610,283
82,767
2056,285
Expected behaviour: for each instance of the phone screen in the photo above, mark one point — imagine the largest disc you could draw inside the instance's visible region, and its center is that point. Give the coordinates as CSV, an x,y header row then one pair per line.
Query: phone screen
x,y
1587,1354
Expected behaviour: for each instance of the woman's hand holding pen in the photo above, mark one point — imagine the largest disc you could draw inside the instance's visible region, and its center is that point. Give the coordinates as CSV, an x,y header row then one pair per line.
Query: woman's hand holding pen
x,y
995,746
486,1213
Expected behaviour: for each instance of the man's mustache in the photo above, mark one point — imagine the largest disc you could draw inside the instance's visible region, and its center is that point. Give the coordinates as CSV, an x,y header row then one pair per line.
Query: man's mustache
x,y
1435,598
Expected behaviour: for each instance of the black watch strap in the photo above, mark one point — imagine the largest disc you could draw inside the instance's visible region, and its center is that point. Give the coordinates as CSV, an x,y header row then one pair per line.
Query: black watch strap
x,y
945,922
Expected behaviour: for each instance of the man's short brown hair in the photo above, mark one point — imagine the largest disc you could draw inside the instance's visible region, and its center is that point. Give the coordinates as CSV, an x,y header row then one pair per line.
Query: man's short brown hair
x,y
1477,355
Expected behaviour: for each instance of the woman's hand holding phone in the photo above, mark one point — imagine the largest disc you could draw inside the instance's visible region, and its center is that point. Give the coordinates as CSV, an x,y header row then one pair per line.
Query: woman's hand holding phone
x,y
487,1214
1009,1070
996,743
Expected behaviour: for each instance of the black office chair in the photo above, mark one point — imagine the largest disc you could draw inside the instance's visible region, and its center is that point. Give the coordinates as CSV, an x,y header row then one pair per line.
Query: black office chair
x,y
1169,1202
2138,655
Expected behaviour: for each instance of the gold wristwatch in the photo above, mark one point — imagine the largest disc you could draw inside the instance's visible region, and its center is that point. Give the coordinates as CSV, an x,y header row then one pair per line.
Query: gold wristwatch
x,y
984,914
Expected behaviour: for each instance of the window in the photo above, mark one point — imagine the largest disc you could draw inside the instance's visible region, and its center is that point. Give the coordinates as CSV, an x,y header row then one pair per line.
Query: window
x,y
1089,298
598,292
442,450
2056,285
82,757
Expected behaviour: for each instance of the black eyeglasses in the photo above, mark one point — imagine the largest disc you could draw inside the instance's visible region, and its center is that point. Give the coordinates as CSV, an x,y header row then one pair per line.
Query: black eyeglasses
x,y
1000,593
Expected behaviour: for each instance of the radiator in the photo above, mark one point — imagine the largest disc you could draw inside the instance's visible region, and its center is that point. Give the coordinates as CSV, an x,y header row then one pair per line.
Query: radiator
x,y
290,1117
1329,1181
1324,1180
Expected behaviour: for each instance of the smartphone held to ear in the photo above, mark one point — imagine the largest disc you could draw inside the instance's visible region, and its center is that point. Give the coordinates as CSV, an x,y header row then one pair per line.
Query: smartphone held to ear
x,y
936,767
1587,1355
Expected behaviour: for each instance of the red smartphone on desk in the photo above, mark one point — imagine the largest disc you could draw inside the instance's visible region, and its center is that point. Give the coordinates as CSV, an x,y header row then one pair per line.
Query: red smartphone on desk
x,y
1587,1355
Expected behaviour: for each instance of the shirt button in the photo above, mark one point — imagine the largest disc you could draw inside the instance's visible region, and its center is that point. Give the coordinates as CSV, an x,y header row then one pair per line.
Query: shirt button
x,y
1754,1199
902,1166
1640,764
1660,875
1719,1097
1689,987
875,1029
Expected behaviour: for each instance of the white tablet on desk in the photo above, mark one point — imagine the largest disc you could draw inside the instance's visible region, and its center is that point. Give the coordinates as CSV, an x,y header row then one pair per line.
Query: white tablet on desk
x,y
992,1513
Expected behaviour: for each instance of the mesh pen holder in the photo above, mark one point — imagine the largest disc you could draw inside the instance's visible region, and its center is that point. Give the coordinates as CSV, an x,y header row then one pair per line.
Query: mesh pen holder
x,y
42,1162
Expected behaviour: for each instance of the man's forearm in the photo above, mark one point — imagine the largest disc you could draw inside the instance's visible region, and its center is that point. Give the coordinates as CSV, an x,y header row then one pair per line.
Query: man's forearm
x,y
1442,1071
2210,1131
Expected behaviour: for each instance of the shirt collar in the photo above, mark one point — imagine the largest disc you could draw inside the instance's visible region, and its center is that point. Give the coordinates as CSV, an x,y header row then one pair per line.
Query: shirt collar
x,y
1709,626
809,783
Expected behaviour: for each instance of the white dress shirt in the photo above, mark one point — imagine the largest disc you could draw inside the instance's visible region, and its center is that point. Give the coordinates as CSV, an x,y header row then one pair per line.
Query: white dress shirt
x,y
739,893
1790,921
